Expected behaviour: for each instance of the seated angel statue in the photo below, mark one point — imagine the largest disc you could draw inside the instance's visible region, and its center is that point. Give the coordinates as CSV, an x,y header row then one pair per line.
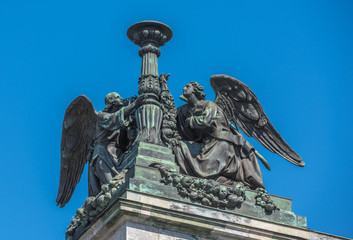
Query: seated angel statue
x,y
212,147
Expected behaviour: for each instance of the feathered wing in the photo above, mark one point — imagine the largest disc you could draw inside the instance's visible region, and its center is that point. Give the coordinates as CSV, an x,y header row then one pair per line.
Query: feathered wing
x,y
77,136
242,106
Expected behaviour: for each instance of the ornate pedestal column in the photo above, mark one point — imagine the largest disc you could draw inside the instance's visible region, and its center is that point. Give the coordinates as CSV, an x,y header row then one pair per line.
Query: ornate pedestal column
x,y
149,35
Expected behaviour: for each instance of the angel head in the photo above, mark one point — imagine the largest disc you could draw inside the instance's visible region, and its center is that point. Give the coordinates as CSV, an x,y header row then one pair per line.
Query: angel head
x,y
113,102
193,88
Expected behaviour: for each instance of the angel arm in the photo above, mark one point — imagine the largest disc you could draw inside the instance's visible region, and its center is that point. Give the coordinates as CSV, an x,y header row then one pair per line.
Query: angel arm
x,y
129,108
112,121
204,120
116,120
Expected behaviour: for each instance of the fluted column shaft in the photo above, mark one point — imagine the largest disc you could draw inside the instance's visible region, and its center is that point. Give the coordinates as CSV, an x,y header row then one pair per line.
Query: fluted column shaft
x,y
149,35
149,64
149,82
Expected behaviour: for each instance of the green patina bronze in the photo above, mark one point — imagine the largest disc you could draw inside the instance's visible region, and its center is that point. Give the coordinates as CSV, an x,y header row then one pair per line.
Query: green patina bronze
x,y
193,154
206,192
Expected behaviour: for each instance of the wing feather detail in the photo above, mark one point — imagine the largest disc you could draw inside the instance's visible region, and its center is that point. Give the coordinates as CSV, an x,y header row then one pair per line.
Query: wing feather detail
x,y
241,106
78,134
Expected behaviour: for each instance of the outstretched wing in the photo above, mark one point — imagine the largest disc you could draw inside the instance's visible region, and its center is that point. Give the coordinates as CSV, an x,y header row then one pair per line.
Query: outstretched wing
x,y
77,135
242,106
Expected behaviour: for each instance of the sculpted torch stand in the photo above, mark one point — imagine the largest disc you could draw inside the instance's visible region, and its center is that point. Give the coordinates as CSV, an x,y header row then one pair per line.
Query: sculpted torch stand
x,y
149,35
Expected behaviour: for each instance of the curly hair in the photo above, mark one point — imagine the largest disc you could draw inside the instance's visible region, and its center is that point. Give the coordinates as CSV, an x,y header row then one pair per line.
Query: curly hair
x,y
198,90
110,99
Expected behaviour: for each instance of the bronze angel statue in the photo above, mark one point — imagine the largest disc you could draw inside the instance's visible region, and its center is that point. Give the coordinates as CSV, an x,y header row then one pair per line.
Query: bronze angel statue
x,y
99,138
212,146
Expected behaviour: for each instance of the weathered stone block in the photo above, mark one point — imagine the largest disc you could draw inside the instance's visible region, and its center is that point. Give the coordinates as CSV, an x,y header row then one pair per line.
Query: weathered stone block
x,y
145,154
137,216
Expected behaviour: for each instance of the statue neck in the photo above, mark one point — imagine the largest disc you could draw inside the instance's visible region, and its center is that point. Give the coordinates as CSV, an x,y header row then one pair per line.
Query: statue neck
x,y
192,101
114,108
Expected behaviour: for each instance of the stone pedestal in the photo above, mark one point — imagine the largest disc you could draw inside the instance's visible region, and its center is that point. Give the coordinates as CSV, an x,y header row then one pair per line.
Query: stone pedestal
x,y
144,207
137,216
144,154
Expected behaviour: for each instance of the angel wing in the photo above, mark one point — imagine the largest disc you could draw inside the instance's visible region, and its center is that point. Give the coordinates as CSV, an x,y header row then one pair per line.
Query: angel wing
x,y
78,134
242,107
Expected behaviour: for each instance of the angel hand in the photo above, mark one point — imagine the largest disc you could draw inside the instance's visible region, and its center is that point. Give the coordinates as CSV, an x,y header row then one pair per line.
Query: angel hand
x,y
140,100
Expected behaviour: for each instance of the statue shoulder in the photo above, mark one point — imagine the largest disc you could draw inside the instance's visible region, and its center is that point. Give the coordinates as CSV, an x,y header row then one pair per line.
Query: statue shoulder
x,y
181,108
103,115
207,103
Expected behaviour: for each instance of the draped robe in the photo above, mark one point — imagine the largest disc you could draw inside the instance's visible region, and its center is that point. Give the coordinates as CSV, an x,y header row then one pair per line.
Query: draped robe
x,y
106,150
210,149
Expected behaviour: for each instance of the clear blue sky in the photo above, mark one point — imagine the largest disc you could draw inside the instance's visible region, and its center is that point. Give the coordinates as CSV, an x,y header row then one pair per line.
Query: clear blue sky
x,y
297,56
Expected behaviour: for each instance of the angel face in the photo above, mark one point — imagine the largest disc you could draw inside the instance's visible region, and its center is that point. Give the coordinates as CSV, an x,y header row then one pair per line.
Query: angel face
x,y
113,101
188,90
119,101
